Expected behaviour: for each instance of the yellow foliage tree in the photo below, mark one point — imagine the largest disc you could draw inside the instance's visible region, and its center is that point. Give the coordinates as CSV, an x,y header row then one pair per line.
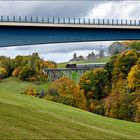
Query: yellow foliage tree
x,y
134,77
123,64
47,64
3,73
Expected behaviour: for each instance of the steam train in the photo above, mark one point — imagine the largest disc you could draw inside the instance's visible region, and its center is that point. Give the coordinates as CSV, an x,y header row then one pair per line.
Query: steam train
x,y
86,65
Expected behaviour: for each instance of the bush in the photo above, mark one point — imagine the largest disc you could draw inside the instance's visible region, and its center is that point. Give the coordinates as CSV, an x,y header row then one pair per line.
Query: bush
x,y
99,109
31,92
41,77
3,73
32,79
64,99
26,73
16,72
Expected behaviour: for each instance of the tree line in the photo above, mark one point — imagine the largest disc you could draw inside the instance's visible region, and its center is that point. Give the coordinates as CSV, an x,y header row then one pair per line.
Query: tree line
x,y
114,90
27,68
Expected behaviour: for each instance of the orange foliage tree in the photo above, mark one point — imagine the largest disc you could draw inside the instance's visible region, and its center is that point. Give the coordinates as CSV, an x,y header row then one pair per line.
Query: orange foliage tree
x,y
67,92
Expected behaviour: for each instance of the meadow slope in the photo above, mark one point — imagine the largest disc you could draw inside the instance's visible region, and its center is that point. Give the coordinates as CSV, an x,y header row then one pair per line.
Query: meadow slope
x,y
26,117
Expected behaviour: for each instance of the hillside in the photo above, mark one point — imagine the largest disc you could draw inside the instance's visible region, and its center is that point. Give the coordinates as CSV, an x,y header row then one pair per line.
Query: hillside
x,y
26,117
98,60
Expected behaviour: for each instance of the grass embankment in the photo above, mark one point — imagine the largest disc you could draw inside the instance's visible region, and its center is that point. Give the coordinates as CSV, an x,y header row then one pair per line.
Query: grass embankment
x,y
98,60
26,117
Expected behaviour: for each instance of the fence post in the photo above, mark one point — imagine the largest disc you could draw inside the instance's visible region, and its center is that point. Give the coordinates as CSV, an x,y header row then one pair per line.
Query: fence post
x,y
84,21
121,22
93,21
37,19
53,19
135,22
98,21
7,18
2,18
112,22
108,21
25,19
19,18
42,20
13,18
103,21
88,21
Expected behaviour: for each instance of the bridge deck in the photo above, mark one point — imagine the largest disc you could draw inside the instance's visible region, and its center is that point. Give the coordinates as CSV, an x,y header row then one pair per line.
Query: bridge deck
x,y
22,24
16,31
68,22
67,69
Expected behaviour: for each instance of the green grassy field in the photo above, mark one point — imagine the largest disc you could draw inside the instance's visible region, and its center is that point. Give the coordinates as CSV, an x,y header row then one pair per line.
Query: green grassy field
x,y
98,60
26,117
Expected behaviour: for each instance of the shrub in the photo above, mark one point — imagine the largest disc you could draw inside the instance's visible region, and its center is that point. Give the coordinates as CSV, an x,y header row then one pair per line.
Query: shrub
x,y
26,73
31,92
16,72
3,73
32,79
99,109
41,77
64,99
41,94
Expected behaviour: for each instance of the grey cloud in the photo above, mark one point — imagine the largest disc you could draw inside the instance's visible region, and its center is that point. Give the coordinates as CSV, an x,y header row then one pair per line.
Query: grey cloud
x,y
64,9
63,48
46,8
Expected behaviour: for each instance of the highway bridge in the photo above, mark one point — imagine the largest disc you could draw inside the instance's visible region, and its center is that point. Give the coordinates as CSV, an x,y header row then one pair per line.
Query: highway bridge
x,y
16,31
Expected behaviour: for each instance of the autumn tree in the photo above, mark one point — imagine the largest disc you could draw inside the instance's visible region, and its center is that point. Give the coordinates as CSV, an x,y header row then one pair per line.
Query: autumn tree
x,y
66,91
26,72
135,45
95,86
116,48
124,63
3,73
134,77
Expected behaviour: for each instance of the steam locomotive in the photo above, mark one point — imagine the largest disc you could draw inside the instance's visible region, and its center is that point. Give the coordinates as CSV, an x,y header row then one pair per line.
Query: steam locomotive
x,y
86,65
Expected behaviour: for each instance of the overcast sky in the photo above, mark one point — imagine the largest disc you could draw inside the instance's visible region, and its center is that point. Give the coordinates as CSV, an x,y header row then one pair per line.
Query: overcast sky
x,y
73,9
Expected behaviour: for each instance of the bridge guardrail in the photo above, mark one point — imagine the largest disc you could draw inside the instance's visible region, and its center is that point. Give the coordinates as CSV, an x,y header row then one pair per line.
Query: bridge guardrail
x,y
53,20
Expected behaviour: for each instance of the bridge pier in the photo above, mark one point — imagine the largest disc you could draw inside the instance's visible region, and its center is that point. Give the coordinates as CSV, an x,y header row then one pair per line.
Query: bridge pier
x,y
55,74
